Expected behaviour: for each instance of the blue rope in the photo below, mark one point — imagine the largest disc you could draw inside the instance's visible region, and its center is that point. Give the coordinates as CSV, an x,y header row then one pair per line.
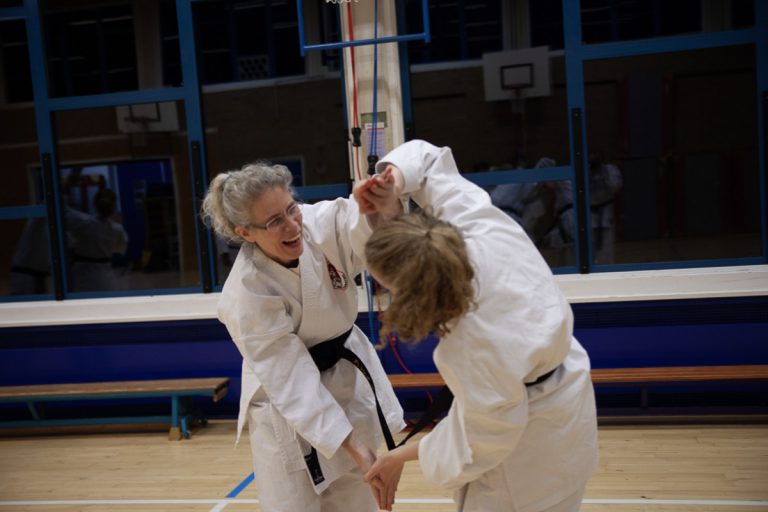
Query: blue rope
x,y
372,149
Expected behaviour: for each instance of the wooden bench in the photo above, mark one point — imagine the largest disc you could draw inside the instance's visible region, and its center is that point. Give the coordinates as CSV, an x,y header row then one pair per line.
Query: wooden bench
x,y
617,376
179,391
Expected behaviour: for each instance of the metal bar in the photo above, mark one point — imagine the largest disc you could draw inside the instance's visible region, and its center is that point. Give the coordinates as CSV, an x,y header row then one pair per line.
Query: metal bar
x,y
114,99
12,13
33,410
202,232
85,421
574,72
300,16
363,42
53,233
519,176
174,411
761,62
580,185
22,212
668,44
105,396
322,191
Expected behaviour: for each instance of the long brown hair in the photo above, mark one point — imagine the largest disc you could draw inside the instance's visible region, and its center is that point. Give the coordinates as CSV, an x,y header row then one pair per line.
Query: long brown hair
x,y
425,261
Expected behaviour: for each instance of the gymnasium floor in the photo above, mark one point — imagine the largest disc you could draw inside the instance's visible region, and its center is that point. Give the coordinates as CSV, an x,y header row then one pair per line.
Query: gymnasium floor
x,y
643,468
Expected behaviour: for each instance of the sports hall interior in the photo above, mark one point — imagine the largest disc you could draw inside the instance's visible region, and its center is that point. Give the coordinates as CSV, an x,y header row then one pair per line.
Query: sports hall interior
x,y
119,391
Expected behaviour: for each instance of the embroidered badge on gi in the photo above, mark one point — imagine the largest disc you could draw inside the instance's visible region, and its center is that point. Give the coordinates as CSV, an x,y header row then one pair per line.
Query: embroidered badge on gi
x,y
338,279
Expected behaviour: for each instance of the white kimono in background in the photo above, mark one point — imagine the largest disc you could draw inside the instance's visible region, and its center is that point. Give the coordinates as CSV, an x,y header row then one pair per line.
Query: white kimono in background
x,y
274,315
539,444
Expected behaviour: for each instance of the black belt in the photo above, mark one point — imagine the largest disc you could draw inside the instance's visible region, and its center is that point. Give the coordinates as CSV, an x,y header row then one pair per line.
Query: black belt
x,y
326,355
443,402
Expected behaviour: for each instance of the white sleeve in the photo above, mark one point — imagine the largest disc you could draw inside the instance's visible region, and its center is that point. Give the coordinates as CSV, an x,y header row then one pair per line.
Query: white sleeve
x,y
341,231
263,332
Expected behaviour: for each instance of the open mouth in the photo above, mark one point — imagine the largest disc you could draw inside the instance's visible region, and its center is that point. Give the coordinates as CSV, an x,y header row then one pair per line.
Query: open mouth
x,y
293,242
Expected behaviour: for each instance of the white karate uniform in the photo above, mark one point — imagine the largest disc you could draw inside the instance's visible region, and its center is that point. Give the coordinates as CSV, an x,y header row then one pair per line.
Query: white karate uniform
x,y
503,446
274,314
93,237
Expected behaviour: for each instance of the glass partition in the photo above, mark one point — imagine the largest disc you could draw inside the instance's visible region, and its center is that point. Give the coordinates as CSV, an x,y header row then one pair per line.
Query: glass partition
x,y
126,197
673,156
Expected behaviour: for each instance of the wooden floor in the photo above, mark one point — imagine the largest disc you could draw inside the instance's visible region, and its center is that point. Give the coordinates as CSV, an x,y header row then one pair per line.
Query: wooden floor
x,y
643,468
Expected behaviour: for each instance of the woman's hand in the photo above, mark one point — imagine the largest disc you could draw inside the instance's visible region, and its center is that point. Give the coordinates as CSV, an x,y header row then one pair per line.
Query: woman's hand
x,y
379,195
364,457
388,468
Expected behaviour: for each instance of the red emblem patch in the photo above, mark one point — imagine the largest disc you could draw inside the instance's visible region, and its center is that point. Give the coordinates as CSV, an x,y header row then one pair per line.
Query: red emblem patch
x,y
338,279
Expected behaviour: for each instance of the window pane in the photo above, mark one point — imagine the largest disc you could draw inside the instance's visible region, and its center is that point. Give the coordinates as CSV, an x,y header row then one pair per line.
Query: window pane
x,y
314,149
451,107
679,131
22,182
459,30
125,186
243,40
24,253
624,20
545,211
106,47
25,257
14,59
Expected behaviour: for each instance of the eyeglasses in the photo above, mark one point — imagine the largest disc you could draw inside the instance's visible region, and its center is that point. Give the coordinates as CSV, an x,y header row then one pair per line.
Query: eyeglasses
x,y
277,223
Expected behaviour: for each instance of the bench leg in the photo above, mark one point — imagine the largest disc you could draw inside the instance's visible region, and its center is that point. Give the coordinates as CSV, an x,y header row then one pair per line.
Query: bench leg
x,y
644,397
33,410
175,433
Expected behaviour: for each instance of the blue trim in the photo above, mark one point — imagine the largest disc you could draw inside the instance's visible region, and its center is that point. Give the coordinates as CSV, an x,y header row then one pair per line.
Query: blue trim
x,y
45,137
195,131
242,485
12,13
22,212
574,73
114,99
304,48
365,42
667,44
322,191
520,176
761,61
130,420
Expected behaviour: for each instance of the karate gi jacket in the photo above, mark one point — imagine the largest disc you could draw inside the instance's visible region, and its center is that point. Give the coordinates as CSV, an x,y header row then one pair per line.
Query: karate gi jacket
x,y
274,314
544,437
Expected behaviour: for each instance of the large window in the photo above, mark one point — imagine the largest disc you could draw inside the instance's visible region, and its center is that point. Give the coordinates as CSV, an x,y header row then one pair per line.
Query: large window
x,y
460,29
105,47
680,130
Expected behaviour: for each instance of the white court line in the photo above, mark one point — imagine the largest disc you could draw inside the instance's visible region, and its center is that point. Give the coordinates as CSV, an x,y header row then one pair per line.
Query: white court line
x,y
221,503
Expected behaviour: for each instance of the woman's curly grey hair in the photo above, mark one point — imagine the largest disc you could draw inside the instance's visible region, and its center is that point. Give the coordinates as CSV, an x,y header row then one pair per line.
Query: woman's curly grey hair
x,y
230,195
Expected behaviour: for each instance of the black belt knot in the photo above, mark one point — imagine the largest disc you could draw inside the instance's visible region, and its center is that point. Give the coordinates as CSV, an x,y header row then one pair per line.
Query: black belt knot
x,y
328,353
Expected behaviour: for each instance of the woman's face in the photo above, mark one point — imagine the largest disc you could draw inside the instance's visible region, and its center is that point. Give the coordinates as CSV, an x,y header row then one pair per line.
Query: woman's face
x,y
283,243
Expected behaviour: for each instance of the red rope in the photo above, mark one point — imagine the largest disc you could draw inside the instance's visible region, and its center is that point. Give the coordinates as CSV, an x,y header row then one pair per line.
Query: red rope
x,y
354,87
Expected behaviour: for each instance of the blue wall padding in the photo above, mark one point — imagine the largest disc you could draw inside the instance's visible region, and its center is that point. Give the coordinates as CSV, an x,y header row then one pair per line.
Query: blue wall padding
x,y
668,333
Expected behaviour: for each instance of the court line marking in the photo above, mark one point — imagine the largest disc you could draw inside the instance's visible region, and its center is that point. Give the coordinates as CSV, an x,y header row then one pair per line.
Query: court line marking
x,y
242,485
224,502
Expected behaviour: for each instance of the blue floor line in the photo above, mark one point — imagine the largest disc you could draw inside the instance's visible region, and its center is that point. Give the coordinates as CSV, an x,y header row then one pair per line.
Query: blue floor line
x,y
237,490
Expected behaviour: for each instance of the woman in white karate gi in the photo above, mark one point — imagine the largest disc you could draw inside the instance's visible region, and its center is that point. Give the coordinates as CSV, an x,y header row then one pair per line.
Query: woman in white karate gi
x,y
521,433
291,287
